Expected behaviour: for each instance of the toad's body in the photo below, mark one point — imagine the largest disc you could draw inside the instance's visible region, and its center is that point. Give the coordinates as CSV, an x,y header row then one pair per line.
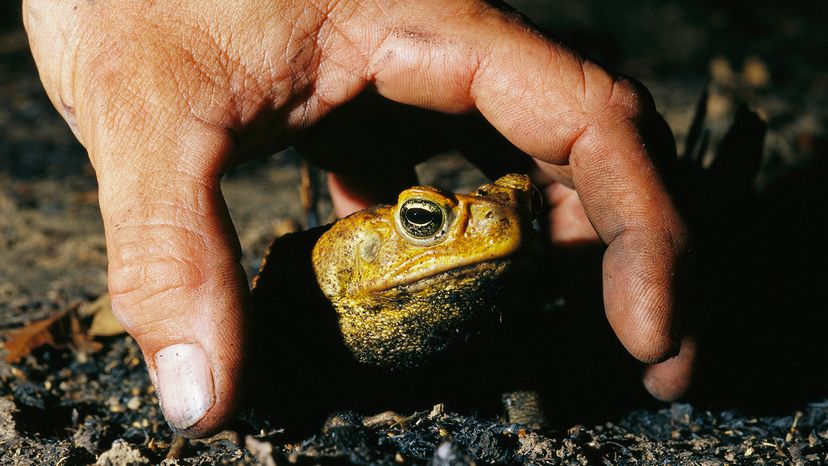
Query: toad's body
x,y
398,285
408,279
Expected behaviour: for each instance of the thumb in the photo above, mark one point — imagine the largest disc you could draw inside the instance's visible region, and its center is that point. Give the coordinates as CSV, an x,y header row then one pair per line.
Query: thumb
x,y
174,274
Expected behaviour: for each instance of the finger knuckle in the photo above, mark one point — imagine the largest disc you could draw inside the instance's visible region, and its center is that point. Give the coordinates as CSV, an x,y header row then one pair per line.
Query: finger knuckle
x,y
629,97
144,290
153,268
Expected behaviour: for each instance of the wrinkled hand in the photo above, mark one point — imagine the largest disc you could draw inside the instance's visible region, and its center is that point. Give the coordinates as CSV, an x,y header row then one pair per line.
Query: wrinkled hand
x,y
165,95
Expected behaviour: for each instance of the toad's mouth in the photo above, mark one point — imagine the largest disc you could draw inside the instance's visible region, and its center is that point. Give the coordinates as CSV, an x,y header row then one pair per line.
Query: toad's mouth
x,y
457,273
433,261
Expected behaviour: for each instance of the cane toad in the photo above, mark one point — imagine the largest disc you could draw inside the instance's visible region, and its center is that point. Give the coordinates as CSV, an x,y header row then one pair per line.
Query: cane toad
x,y
408,279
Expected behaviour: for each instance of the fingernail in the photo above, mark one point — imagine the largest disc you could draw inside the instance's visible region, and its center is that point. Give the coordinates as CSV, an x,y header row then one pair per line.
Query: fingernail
x,y
185,384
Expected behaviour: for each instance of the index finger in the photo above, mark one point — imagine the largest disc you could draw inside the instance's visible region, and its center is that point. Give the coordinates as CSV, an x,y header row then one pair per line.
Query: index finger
x,y
561,109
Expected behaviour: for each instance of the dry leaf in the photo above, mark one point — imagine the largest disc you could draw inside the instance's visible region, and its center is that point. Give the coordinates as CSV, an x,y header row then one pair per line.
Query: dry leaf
x,y
61,330
80,338
89,309
54,331
104,323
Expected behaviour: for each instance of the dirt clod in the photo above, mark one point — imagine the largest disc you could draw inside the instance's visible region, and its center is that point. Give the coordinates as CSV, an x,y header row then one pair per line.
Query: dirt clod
x,y
121,454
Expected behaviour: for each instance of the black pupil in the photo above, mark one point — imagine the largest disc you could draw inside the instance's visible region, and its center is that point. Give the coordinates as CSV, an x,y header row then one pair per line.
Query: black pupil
x,y
420,218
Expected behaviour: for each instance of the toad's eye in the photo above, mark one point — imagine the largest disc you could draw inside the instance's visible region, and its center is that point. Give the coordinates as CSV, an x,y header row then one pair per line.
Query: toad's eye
x,y
422,219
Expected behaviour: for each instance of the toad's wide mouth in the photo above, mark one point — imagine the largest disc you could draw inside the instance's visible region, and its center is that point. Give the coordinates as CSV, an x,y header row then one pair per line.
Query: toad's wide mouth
x,y
458,272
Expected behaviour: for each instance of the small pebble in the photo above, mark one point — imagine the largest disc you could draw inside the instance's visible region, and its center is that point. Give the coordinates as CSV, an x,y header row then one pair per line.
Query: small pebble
x,y
262,450
134,403
114,404
437,410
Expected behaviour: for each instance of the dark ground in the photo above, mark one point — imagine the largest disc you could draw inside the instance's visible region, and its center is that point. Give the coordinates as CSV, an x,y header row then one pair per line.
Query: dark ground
x,y
758,298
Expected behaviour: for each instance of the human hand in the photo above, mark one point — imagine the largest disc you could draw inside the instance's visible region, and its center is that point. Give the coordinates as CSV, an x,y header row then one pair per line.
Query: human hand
x,y
166,95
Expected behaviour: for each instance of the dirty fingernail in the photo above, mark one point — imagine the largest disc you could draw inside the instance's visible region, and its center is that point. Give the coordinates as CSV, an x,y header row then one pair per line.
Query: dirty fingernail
x,y
185,384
